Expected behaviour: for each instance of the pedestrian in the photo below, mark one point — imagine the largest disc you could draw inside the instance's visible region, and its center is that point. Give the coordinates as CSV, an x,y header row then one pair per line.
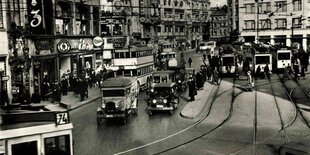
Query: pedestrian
x,y
191,89
267,71
258,72
286,74
45,90
296,69
199,82
209,72
93,78
81,89
182,55
35,97
189,62
215,77
99,77
204,74
64,86
250,82
204,56
56,91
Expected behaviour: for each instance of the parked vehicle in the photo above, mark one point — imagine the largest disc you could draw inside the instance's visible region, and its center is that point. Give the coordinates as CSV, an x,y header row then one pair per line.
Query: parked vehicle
x,y
163,97
119,99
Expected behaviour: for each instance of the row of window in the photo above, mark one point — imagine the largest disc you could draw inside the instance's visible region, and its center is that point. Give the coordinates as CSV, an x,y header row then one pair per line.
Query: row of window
x,y
181,4
133,54
265,7
139,71
64,23
218,18
220,32
266,24
222,24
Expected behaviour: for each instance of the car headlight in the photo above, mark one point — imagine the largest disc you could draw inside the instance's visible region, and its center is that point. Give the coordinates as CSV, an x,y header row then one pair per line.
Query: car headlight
x,y
154,100
116,105
165,101
179,81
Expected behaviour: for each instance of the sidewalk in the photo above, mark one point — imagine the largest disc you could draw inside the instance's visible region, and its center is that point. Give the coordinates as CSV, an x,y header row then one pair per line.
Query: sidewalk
x,y
194,108
69,102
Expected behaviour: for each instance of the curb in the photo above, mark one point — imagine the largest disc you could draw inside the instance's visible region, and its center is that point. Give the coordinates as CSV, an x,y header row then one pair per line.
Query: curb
x,y
207,100
69,107
188,117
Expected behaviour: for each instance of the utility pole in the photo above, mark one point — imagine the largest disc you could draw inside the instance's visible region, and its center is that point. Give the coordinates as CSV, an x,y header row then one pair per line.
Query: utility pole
x,y
257,20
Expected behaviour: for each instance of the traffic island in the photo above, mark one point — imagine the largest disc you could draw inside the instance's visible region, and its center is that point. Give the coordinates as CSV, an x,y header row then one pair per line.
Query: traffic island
x,y
193,109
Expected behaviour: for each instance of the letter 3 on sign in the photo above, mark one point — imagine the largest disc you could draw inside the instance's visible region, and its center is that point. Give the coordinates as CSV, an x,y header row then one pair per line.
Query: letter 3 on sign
x,y
37,17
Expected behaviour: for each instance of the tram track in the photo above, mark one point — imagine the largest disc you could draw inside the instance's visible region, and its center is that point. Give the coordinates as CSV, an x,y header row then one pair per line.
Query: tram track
x,y
208,113
204,117
290,96
283,127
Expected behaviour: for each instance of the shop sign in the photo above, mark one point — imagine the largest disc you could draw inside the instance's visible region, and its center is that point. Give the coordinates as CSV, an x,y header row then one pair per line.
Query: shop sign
x,y
35,16
84,44
5,78
63,46
43,44
98,41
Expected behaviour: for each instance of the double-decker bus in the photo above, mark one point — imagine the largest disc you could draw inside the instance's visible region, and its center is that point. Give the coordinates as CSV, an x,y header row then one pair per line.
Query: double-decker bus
x,y
134,62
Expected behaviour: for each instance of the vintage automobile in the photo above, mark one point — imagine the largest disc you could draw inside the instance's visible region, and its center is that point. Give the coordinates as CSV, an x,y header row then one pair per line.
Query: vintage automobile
x,y
179,77
118,99
189,72
163,97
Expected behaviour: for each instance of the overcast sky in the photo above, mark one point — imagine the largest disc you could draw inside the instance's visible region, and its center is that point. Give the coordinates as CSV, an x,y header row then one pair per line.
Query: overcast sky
x,y
217,2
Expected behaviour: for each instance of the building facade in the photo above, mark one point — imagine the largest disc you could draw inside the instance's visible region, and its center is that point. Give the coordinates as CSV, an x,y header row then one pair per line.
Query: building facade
x,y
233,14
46,40
220,23
276,22
183,22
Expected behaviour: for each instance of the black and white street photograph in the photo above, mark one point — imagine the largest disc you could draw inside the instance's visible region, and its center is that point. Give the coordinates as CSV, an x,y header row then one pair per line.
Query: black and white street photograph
x,y
154,77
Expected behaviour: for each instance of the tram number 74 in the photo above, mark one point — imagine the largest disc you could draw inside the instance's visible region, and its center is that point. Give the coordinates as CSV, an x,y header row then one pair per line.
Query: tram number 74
x,y
62,118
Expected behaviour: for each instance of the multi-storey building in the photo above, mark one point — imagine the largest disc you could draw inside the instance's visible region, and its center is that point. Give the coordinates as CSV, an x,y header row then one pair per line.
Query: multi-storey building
x,y
129,50
233,14
276,22
46,40
220,23
183,21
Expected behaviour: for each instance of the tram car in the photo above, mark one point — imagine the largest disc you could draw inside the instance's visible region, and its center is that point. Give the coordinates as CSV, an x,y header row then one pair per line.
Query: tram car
x,y
261,60
228,62
283,58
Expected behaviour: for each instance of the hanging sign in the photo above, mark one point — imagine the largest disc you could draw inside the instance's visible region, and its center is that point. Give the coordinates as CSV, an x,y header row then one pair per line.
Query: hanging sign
x,y
98,41
63,46
35,16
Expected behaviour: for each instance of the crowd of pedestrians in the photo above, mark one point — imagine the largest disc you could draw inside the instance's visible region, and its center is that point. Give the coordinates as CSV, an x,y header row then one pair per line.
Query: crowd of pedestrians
x,y
207,73
70,83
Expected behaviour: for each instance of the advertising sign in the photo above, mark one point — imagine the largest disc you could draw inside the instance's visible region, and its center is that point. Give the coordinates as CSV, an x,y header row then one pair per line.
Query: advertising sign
x,y
35,16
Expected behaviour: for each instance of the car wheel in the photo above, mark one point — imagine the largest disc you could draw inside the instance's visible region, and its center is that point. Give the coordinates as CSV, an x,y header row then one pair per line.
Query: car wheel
x,y
99,121
124,120
150,112
171,112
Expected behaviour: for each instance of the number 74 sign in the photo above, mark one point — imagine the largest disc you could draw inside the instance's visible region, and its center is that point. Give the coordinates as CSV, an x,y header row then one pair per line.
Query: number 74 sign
x,y
62,118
